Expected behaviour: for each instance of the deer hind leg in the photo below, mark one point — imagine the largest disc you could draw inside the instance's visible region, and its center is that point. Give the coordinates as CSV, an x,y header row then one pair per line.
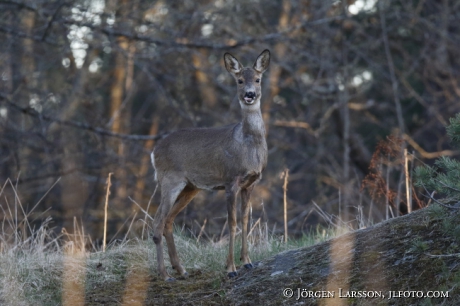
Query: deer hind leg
x,y
170,190
231,193
184,198
245,196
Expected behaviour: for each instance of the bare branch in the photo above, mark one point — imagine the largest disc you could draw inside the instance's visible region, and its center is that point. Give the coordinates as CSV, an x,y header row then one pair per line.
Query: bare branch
x,y
33,113
430,196
425,154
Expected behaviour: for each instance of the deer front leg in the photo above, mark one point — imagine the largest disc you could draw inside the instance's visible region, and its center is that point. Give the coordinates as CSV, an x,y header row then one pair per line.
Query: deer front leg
x,y
158,228
245,196
231,207
184,198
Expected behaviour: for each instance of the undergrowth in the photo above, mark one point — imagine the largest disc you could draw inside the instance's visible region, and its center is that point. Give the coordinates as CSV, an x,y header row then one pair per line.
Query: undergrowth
x,y
33,272
40,267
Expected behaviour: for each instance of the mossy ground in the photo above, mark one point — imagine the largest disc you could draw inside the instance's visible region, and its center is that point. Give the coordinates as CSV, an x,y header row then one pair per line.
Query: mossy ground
x,y
415,252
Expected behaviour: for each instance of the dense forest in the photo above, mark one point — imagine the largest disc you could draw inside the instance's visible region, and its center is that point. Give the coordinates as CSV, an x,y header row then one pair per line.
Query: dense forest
x,y
358,93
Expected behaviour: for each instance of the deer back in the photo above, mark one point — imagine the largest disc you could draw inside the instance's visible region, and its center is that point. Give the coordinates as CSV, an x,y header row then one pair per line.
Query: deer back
x,y
210,158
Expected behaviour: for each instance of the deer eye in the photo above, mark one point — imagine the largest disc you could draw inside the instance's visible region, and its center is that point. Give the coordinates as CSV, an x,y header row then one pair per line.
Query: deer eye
x,y
258,81
240,81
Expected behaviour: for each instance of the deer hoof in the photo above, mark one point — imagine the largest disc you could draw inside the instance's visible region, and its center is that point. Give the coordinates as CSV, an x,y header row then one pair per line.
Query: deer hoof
x,y
249,266
232,274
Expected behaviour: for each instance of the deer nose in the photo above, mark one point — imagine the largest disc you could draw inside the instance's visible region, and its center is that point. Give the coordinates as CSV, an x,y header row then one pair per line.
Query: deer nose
x,y
250,95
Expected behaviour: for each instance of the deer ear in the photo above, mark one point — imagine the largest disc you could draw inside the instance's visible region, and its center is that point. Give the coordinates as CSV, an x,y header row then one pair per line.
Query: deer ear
x,y
232,64
262,62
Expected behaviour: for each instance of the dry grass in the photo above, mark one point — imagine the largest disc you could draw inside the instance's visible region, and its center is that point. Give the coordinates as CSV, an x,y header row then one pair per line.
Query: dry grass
x,y
34,274
39,267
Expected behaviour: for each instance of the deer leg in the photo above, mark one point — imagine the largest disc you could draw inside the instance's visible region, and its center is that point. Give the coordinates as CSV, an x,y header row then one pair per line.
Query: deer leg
x,y
245,196
184,198
231,193
168,198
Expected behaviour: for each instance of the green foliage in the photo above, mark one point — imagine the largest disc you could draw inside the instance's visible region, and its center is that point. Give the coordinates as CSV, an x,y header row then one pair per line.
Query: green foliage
x,y
419,246
444,176
437,212
451,227
453,130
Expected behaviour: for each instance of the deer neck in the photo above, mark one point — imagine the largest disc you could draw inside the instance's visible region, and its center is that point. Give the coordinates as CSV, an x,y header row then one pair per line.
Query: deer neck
x,y
253,123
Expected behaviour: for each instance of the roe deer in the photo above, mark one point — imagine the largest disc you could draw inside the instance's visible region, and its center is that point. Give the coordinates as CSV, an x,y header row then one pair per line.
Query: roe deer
x,y
231,157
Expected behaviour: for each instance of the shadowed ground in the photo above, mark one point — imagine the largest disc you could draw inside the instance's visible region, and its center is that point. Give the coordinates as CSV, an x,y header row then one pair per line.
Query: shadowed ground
x,y
416,252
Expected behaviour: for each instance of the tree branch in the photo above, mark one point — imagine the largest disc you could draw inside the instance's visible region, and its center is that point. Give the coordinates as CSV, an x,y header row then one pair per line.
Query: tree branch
x,y
425,154
33,113
436,201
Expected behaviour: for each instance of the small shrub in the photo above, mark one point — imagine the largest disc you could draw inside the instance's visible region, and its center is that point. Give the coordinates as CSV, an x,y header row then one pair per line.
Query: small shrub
x,y
444,176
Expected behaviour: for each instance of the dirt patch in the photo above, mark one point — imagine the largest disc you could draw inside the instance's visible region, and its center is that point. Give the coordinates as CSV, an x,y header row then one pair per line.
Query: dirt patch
x,y
198,289
410,253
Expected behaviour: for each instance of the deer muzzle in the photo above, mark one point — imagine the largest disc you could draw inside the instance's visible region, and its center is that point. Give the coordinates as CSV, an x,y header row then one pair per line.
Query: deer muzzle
x,y
249,97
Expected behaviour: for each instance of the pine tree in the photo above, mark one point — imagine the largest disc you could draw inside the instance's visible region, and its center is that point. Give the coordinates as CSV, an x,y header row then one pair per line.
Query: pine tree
x,y
444,176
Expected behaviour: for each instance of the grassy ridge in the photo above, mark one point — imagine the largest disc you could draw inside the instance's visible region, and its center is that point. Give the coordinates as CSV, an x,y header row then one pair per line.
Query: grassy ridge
x,y
45,270
40,267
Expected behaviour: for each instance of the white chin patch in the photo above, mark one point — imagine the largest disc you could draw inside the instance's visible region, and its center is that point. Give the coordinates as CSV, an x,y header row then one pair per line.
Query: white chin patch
x,y
248,100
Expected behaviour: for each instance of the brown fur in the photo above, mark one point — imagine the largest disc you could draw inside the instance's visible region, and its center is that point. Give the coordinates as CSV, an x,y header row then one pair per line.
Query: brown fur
x,y
230,157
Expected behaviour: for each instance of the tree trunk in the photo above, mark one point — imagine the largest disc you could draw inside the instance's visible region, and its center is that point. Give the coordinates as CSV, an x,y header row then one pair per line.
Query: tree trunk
x,y
275,68
145,165
208,95
120,113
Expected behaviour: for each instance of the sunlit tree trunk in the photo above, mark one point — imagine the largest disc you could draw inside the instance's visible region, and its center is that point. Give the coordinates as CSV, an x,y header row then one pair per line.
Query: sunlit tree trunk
x,y
207,93
275,68
120,111
118,88
26,82
145,165
117,113
28,62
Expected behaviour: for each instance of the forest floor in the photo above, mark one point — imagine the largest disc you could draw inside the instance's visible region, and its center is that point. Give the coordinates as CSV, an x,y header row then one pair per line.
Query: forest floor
x,y
404,261
409,260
